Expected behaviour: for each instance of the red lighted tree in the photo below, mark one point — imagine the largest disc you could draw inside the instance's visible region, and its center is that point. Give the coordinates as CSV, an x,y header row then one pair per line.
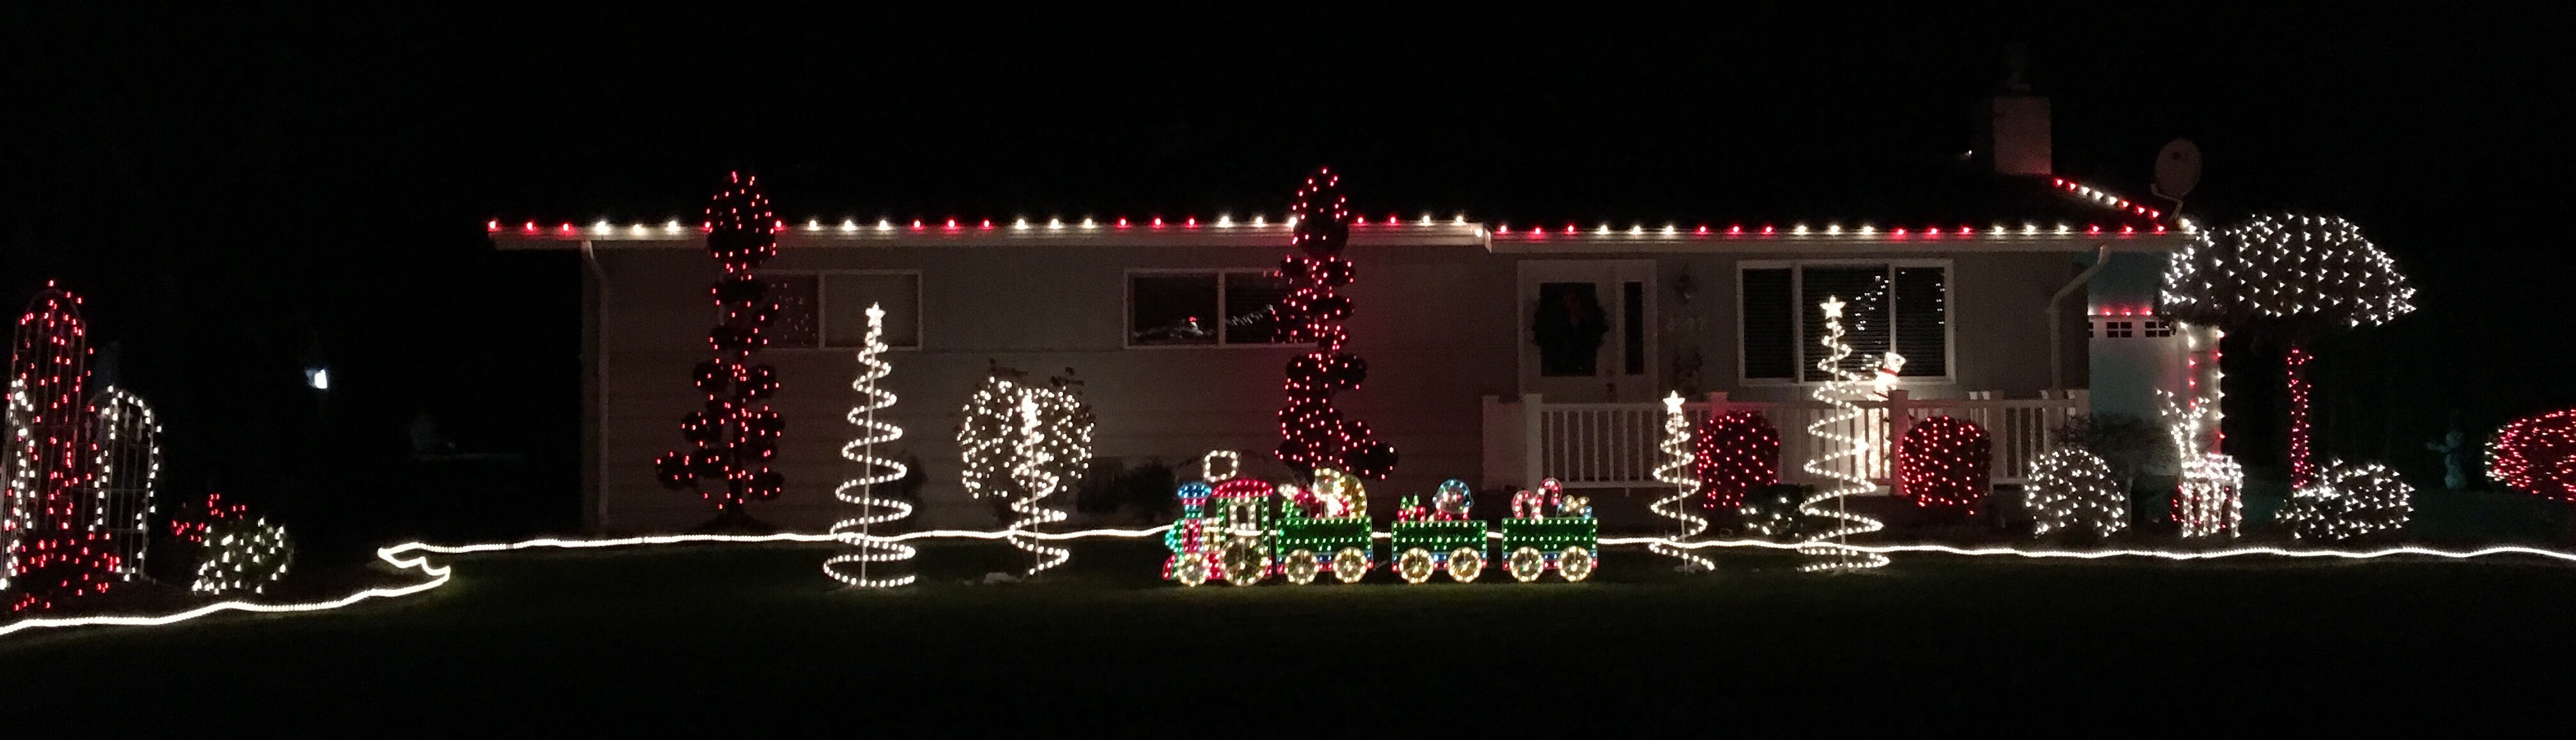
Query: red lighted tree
x,y
55,551
1737,452
2287,279
2537,455
1312,433
1945,463
734,436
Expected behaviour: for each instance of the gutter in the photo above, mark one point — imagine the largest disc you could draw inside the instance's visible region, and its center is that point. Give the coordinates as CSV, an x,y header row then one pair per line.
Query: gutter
x,y
2056,356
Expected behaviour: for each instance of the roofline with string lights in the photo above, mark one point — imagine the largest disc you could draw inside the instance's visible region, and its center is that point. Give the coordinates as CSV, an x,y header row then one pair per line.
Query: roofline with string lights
x,y
2137,228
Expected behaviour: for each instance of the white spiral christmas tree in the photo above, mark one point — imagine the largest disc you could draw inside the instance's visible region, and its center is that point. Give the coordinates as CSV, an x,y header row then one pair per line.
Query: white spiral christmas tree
x,y
1038,479
1828,543
866,547
1680,460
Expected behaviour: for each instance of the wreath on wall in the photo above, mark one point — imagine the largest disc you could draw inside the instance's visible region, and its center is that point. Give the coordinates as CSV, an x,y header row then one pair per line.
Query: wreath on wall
x,y
1569,330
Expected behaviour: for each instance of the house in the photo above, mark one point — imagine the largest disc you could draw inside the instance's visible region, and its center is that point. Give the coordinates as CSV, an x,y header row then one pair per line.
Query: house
x,y
1995,303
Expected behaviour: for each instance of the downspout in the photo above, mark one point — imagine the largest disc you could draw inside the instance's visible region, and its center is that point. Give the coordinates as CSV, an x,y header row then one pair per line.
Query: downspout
x,y
599,390
2056,357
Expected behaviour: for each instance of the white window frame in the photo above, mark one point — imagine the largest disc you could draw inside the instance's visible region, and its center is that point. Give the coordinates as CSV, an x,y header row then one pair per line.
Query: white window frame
x,y
823,313
1798,324
1127,308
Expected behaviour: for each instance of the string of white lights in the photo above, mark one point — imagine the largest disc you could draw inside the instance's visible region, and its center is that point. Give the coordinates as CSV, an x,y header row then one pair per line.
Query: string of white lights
x,y
418,560
1677,469
1828,543
873,470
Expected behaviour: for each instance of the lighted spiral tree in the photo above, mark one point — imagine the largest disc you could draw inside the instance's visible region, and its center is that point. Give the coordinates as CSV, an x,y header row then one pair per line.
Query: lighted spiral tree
x,y
1020,445
865,547
1827,547
1945,464
1737,452
1312,433
733,438
1677,470
2289,278
56,553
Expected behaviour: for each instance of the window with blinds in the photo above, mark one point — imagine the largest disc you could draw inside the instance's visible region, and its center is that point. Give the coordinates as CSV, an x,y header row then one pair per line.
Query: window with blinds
x,y
1901,308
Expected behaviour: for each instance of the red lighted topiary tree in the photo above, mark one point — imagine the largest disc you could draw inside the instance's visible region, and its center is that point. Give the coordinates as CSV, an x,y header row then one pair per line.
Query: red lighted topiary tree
x,y
1312,433
734,436
1945,463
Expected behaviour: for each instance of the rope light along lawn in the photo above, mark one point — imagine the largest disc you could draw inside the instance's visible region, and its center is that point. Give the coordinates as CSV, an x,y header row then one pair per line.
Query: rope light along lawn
x,y
439,575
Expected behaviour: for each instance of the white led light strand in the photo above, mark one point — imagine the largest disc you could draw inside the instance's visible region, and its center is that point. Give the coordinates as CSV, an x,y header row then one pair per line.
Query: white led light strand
x,y
440,575
1830,544
873,470
1677,469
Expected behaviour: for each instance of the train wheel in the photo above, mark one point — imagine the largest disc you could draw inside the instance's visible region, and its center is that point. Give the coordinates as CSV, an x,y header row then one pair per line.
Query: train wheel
x,y
1245,564
1351,564
1302,567
1415,565
1465,564
1192,569
1527,563
1575,563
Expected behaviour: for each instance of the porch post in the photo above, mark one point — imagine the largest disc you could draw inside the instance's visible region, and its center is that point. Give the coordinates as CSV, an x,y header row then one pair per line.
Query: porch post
x,y
1533,440
1900,419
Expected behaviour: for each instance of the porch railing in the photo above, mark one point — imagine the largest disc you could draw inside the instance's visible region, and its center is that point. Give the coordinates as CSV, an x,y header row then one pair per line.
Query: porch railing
x,y
1615,445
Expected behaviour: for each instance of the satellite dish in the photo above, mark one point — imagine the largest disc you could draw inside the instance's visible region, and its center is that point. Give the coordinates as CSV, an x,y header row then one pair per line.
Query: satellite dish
x,y
2177,169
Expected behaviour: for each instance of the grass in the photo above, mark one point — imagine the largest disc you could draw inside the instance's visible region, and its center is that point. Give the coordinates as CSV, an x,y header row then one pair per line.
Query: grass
x,y
733,640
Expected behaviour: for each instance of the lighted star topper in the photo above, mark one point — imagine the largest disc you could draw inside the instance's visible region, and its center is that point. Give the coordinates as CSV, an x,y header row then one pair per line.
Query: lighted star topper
x,y
1833,307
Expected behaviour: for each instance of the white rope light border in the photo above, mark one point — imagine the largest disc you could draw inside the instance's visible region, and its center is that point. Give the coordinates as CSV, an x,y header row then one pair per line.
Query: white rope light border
x,y
439,575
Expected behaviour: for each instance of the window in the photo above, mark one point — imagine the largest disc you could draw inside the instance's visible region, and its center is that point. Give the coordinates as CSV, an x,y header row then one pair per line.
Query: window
x,y
1901,308
1206,308
2129,327
830,309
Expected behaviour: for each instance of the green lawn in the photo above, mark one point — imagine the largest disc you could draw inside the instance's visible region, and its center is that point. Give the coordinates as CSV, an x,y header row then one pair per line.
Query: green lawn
x,y
718,640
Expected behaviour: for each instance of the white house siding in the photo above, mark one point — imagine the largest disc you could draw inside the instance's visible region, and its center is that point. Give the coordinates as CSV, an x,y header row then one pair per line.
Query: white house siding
x,y
1439,326
1425,314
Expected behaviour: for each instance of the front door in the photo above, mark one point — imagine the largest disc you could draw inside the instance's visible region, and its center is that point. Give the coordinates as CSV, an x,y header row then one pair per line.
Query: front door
x,y
1587,330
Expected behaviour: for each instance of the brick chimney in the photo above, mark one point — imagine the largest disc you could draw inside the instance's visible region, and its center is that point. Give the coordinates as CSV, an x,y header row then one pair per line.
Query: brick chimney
x,y
2012,126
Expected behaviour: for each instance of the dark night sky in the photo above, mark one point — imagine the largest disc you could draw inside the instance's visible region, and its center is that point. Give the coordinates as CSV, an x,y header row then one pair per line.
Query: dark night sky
x,y
239,195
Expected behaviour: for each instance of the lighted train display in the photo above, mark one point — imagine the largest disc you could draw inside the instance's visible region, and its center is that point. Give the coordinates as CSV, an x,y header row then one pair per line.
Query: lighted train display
x,y
1244,531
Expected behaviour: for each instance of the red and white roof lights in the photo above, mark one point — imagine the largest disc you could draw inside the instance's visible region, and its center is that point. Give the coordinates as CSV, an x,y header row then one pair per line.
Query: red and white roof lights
x,y
1603,231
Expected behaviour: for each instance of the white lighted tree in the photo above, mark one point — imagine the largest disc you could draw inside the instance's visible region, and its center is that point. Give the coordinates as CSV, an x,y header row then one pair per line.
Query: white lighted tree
x,y
866,547
1021,445
2287,278
1680,462
2072,490
1827,547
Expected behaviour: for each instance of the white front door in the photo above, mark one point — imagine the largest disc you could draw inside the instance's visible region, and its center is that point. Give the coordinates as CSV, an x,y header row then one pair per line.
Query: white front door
x,y
1587,330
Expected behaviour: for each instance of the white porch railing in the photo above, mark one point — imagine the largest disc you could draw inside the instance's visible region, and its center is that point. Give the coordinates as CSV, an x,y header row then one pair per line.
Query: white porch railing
x,y
1614,445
